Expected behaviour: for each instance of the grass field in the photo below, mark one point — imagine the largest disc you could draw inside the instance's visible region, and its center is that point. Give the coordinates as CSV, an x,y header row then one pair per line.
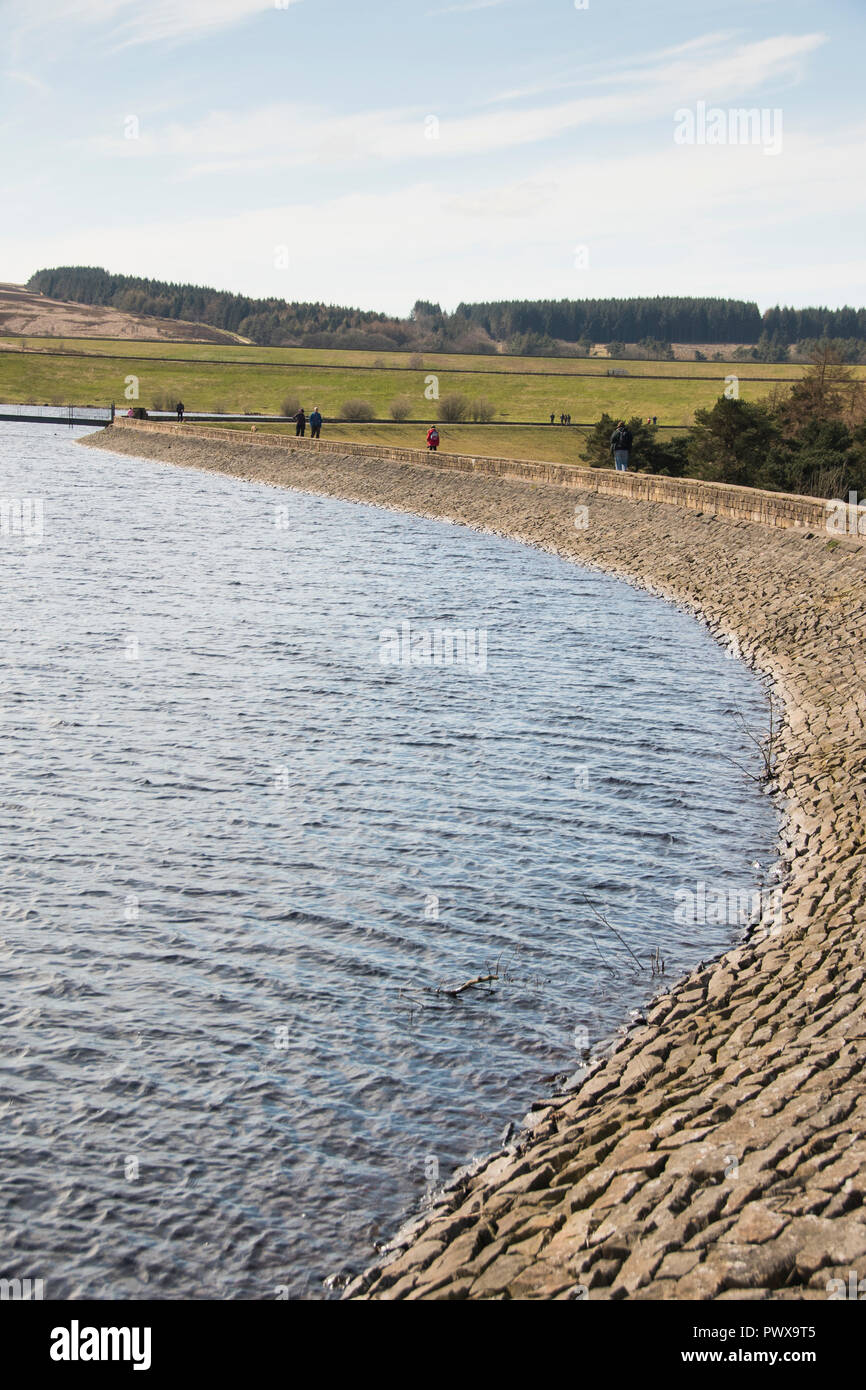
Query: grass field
x,y
247,380
276,357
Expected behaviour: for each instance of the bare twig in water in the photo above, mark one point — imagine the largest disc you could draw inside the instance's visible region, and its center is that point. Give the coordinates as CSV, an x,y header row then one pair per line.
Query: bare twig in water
x,y
467,984
500,971
767,747
601,917
612,968
496,972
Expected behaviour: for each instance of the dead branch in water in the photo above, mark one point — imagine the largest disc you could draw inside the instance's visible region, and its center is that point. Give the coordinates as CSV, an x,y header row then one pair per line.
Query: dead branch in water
x,y
767,747
467,984
496,972
611,968
601,917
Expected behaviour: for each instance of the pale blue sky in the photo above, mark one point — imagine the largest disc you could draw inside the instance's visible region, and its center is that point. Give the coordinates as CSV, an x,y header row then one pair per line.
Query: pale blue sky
x,y
308,127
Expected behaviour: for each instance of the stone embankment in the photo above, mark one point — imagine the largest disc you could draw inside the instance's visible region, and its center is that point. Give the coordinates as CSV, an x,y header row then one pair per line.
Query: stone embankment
x,y
719,499
718,1148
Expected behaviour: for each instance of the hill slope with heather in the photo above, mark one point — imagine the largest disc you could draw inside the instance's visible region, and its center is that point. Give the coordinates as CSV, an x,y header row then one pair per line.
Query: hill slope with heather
x,y
23,311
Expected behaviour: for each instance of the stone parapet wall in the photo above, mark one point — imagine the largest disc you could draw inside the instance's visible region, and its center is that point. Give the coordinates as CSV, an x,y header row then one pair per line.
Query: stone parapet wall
x,y
714,499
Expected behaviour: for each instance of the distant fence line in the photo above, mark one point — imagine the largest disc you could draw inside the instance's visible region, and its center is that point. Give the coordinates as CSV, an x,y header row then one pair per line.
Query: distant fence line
x,y
104,415
59,414
206,417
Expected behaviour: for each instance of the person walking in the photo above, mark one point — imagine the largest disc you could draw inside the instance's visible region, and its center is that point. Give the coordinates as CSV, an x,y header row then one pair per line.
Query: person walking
x,y
620,446
316,423
433,438
179,408
552,416
300,422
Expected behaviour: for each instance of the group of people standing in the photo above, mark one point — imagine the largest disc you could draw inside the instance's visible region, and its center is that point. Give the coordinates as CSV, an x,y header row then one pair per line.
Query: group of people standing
x,y
563,418
314,420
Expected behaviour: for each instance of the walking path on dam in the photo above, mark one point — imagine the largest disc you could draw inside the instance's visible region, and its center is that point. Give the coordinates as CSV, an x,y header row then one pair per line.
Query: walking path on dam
x,y
718,1148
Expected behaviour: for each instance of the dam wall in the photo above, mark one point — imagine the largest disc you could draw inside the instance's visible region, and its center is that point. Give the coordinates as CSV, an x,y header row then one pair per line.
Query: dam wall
x,y
713,499
716,1148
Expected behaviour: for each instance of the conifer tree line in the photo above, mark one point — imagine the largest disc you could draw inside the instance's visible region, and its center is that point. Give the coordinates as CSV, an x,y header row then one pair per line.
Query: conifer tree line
x,y
669,319
521,325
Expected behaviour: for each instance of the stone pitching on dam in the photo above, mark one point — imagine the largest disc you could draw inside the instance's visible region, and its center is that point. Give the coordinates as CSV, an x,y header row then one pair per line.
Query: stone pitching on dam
x,y
718,1148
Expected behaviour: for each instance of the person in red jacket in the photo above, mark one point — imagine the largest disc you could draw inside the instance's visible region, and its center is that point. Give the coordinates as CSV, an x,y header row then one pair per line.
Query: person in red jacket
x,y
433,438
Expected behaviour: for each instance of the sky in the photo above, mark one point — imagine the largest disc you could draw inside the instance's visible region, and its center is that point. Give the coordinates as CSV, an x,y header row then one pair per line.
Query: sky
x,y
371,155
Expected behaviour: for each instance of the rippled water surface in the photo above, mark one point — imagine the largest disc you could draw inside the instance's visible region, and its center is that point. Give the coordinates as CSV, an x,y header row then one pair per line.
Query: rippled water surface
x,y
241,854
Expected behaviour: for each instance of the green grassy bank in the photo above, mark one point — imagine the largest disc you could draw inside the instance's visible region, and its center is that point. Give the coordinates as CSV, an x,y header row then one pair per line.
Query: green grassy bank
x,y
250,380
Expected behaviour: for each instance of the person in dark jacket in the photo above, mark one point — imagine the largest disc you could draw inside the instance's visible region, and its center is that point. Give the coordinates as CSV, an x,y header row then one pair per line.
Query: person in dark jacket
x,y
179,408
315,423
620,446
300,422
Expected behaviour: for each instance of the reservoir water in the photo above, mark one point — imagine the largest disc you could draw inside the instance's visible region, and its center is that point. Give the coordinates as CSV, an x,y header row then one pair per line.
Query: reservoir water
x,y
245,843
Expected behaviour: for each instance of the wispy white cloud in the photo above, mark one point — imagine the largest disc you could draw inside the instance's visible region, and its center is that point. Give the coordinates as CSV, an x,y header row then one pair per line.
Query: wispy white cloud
x,y
126,23
287,135
615,67
420,241
467,7
28,80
